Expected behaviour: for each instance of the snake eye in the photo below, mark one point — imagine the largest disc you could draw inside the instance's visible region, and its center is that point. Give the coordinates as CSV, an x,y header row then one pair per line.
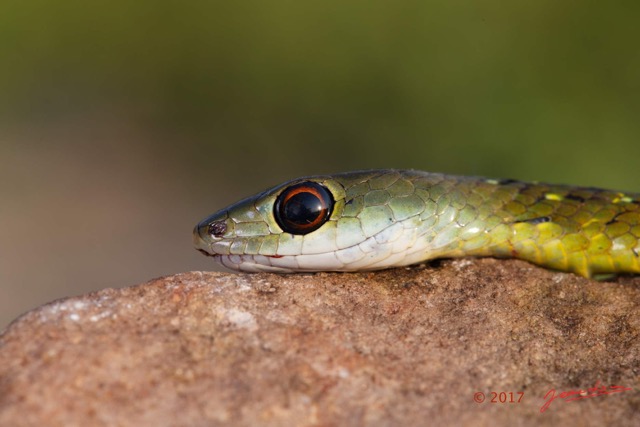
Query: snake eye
x,y
303,208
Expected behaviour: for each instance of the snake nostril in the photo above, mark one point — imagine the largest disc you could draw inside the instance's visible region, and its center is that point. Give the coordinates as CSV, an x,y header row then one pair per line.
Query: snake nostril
x,y
217,228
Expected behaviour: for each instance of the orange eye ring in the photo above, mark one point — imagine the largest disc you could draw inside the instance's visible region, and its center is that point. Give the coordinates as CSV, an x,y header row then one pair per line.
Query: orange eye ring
x,y
303,207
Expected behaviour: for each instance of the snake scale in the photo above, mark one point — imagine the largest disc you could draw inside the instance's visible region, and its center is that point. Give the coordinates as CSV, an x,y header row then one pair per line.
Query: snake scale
x,y
376,219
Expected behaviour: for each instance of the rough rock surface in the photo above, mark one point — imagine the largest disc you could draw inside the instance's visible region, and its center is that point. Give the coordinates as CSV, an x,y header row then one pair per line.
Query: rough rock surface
x,y
397,347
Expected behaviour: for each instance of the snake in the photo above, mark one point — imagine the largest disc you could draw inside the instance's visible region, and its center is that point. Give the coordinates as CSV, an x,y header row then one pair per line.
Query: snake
x,y
378,219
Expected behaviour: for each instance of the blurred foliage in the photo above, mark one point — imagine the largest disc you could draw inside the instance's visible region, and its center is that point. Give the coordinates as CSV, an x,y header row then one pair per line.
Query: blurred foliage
x,y
264,91
123,123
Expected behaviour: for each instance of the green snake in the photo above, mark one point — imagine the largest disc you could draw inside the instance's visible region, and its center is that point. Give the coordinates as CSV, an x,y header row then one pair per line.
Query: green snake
x,y
376,219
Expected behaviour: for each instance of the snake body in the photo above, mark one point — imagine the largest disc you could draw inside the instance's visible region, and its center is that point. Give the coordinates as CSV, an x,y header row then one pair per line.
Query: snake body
x,y
368,220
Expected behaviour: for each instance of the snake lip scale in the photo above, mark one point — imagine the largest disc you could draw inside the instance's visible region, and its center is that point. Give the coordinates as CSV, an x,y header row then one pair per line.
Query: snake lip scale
x,y
376,219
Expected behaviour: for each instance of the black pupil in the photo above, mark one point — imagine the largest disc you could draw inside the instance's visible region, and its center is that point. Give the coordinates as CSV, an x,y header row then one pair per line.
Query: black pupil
x,y
303,208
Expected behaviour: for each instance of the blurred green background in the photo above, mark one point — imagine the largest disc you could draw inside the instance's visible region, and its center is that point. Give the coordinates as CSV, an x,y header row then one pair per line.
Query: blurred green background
x,y
123,123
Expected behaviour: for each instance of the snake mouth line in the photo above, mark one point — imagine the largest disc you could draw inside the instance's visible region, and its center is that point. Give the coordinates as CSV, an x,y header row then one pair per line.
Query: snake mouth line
x,y
202,251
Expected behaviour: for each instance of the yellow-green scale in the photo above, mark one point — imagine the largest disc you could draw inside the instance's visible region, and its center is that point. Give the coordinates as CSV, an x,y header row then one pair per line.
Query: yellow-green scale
x,y
586,231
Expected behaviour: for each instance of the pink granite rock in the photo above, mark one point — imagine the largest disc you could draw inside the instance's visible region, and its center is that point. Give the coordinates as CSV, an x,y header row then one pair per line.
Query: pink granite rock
x,y
411,346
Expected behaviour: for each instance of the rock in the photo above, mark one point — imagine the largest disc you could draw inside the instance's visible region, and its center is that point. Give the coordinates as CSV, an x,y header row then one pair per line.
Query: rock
x,y
398,347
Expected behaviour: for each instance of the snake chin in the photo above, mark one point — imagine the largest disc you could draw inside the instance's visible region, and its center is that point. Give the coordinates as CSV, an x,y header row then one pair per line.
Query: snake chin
x,y
258,263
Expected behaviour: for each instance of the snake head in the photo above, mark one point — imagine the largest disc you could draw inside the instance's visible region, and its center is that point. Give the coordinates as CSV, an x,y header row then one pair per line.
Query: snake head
x,y
271,230
342,222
